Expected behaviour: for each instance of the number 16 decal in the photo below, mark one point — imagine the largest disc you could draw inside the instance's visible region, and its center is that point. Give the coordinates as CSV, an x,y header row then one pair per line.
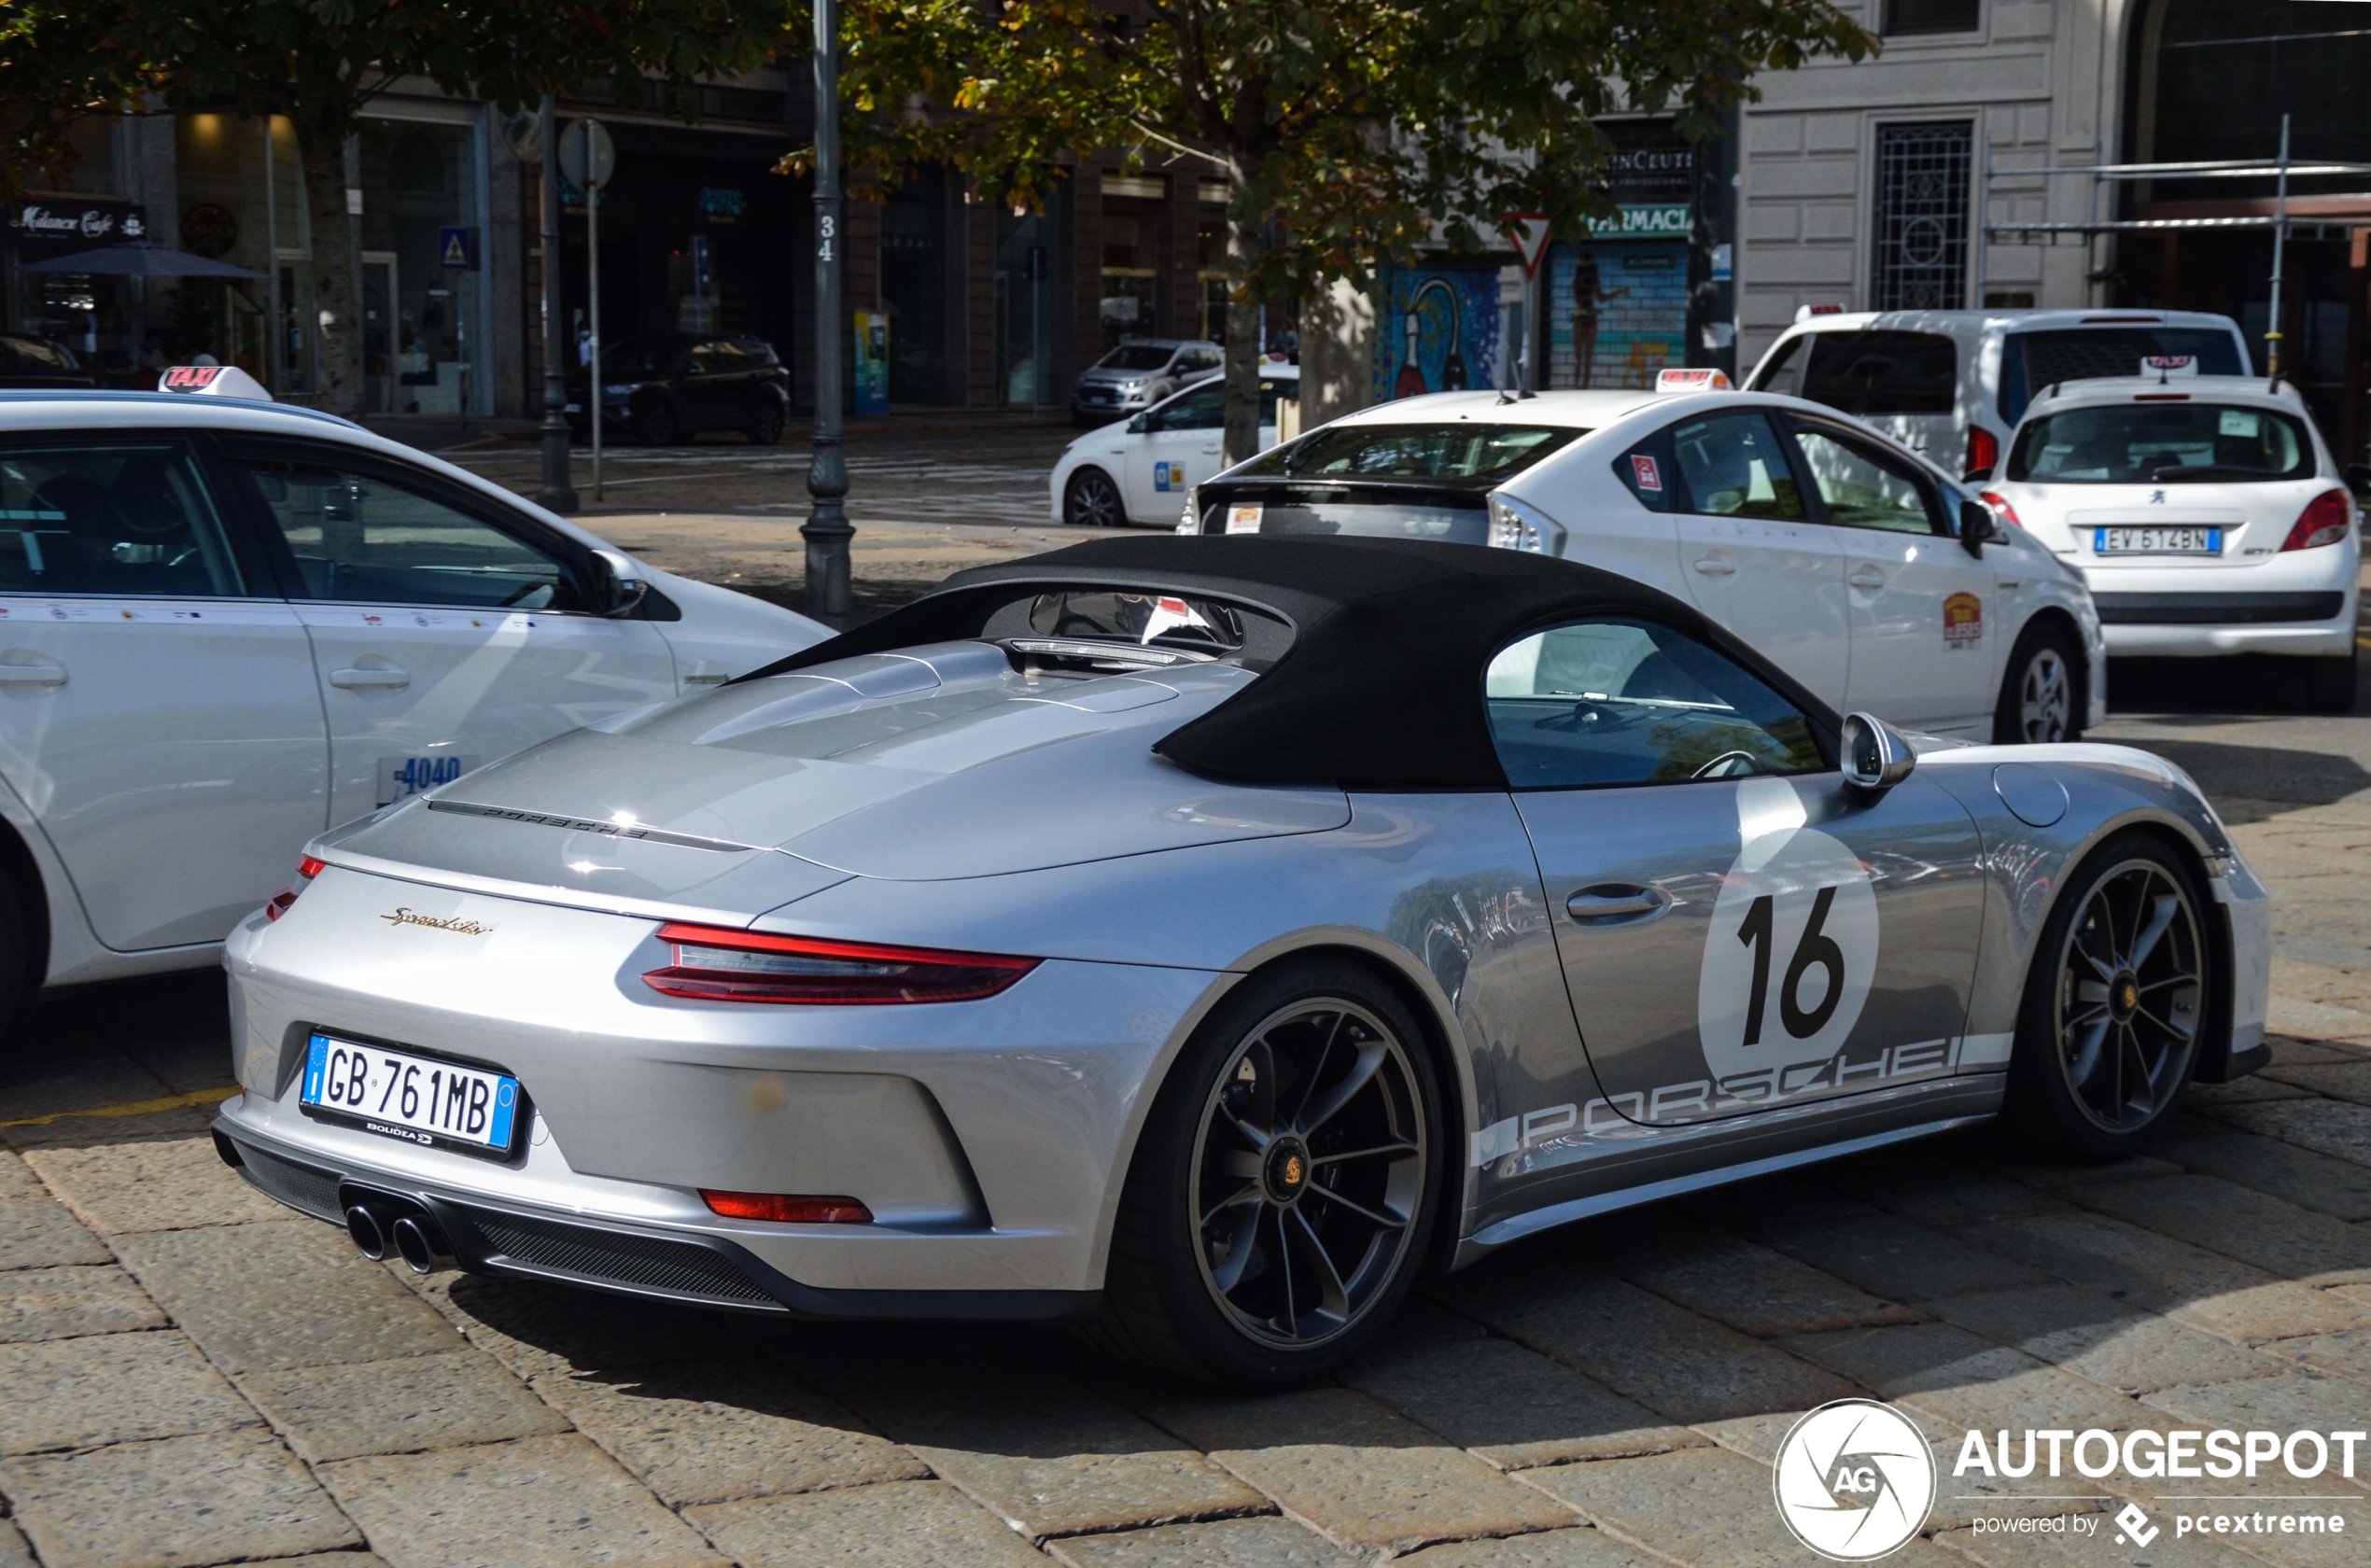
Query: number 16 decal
x,y
1792,944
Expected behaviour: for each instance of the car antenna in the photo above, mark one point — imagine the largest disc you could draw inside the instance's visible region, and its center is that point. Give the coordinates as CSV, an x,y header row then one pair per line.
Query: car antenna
x,y
1504,397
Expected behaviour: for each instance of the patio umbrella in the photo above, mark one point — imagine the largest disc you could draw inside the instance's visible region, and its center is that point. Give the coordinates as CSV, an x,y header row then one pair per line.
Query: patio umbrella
x,y
139,258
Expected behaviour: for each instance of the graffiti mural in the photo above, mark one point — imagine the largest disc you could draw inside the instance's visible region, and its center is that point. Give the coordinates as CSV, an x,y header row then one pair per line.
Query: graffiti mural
x,y
1617,312
1435,329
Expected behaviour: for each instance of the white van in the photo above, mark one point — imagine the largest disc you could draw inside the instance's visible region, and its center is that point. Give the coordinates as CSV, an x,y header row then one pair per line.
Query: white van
x,y
1951,384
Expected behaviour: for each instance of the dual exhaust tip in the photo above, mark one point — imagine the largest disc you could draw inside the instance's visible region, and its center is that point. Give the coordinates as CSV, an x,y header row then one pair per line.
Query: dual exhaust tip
x,y
378,1229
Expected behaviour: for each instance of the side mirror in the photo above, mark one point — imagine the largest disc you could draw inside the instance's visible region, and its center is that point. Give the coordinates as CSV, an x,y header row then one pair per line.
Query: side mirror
x,y
2358,478
618,584
1139,425
1978,526
1877,756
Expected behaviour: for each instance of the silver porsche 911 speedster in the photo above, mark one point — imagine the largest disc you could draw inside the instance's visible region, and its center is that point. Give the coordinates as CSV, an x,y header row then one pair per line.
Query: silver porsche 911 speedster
x,y
1195,936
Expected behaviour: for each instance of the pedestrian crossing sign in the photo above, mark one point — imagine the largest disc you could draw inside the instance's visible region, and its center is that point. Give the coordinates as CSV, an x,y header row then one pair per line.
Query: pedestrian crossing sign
x,y
456,249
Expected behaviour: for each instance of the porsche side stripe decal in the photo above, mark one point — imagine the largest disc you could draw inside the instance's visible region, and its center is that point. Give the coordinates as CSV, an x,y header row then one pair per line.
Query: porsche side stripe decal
x,y
1642,1110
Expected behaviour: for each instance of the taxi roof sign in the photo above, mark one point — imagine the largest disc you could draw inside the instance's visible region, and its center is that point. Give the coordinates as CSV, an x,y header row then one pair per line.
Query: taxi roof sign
x,y
217,381
1703,379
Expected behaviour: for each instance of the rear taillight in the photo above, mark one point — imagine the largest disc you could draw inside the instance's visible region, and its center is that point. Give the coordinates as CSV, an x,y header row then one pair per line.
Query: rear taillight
x,y
1999,503
2326,519
1984,449
716,964
307,869
787,1208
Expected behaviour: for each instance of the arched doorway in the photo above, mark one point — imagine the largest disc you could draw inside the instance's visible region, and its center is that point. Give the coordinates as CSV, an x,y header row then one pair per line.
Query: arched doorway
x,y
2209,81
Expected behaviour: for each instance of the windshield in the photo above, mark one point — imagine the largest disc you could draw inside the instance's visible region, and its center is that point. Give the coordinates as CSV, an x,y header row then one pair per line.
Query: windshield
x,y
2161,444
643,358
1461,451
1134,356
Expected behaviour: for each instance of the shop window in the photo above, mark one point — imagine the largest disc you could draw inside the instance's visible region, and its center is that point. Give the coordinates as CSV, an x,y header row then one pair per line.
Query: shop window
x,y
1131,233
914,290
1025,307
1922,216
1909,17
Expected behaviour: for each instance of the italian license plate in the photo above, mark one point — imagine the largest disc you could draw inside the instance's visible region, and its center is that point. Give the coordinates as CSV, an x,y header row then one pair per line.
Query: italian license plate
x,y
2156,541
401,777
420,1099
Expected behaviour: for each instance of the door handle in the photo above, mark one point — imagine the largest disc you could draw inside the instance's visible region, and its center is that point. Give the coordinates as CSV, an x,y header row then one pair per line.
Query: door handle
x,y
1714,566
369,679
1617,903
1866,577
33,674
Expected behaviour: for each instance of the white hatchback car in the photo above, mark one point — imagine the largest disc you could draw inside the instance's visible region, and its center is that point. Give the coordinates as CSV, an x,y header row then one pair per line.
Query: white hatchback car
x,y
226,625
2206,513
1867,574
1141,471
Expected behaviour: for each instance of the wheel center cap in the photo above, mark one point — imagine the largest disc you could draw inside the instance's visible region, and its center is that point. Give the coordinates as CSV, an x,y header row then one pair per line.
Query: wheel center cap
x,y
2124,996
1285,1170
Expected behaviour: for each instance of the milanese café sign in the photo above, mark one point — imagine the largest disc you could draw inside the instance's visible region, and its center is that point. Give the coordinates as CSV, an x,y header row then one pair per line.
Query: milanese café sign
x,y
77,221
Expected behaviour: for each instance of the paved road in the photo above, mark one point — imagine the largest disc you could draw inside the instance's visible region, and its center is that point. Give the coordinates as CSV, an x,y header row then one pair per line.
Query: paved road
x,y
189,1374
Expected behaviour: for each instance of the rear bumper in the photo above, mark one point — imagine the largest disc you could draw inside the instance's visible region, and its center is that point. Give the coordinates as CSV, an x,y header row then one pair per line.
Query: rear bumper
x,y
604,1253
2307,623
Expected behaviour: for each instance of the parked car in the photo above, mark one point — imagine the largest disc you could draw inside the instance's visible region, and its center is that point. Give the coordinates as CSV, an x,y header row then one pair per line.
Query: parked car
x,y
1951,385
29,362
1866,573
659,388
1141,472
228,624
1139,373
1203,937
2206,513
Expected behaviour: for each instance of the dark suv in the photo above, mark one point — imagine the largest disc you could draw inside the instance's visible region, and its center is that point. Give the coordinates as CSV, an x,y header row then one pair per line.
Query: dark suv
x,y
661,386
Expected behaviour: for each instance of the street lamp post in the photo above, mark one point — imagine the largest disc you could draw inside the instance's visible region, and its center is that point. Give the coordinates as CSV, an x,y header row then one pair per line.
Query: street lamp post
x,y
827,528
558,494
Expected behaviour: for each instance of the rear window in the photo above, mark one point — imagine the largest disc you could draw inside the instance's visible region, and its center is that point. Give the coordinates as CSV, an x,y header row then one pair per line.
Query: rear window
x,y
1092,631
1466,450
32,356
1881,373
2030,361
2161,444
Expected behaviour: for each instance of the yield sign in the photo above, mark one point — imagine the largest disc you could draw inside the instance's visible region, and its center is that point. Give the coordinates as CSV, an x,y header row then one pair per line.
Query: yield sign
x,y
1529,232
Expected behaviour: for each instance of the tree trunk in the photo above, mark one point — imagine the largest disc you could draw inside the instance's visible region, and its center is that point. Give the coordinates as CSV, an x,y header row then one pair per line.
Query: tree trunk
x,y
1244,243
337,314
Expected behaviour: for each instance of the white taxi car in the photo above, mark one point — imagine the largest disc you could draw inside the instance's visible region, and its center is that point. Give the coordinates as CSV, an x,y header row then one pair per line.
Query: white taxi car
x,y
1866,573
2206,513
226,625
1140,471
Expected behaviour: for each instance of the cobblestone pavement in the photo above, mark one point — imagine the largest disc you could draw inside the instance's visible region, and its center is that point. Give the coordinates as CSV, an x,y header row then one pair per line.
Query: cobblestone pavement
x,y
189,1374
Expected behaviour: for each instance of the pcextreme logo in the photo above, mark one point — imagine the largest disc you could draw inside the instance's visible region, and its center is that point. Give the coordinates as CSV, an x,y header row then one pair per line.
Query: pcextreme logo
x,y
1854,1479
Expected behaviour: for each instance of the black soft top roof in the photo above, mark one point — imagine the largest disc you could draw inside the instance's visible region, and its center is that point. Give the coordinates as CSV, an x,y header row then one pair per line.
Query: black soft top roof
x,y
1382,687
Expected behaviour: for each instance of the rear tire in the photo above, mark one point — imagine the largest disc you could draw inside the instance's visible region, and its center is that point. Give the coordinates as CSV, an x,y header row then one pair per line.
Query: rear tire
x,y
2041,694
19,985
2117,1003
2331,685
1091,500
766,428
1263,1265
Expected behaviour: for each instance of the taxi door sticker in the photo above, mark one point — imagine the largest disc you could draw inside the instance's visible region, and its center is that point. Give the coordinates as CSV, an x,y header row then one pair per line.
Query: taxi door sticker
x,y
1169,476
1962,621
1642,470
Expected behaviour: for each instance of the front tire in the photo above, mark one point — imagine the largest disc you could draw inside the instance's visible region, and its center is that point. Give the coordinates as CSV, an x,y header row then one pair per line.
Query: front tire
x,y
2040,698
1284,1192
654,425
1091,500
2330,686
766,428
2117,1002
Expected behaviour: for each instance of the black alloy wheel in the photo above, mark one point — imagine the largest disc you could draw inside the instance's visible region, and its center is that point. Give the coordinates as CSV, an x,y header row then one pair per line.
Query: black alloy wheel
x,y
1091,500
1283,1193
1308,1172
2117,1003
766,428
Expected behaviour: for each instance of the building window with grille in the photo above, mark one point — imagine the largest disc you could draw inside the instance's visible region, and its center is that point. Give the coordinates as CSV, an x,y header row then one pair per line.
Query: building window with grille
x,y
1922,216
1909,17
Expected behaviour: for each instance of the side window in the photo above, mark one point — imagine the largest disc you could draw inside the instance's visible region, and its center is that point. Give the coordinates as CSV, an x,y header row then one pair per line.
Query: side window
x,y
1204,408
121,520
1735,468
361,538
1783,370
1607,701
1863,490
